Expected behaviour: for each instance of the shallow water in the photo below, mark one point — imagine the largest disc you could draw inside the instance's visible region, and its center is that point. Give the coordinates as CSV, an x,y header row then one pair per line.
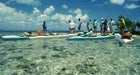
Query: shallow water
x,y
58,56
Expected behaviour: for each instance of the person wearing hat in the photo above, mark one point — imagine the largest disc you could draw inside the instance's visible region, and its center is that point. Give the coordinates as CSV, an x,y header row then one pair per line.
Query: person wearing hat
x,y
102,25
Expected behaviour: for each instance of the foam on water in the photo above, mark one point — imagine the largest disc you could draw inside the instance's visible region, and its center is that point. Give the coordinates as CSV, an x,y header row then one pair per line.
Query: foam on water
x,y
58,56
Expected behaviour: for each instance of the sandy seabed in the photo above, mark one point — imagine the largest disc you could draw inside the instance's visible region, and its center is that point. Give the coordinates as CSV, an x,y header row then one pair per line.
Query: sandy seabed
x,y
58,56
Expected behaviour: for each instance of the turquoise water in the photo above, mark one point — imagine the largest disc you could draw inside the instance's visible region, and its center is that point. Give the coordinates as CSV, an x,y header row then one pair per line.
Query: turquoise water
x,y
58,56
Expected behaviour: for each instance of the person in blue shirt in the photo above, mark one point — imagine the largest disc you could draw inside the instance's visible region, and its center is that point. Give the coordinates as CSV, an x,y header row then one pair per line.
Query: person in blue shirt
x,y
44,26
105,27
95,24
80,23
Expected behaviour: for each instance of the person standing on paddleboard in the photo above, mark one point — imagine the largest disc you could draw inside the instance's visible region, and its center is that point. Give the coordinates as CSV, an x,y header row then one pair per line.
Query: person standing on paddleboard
x,y
122,26
88,24
72,26
111,23
102,25
44,26
105,27
95,24
80,23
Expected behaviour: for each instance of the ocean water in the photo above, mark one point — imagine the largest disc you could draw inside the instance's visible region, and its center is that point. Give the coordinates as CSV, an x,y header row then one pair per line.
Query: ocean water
x,y
59,56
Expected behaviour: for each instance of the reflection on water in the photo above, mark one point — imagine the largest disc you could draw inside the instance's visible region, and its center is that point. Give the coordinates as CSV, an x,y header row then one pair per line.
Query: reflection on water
x,y
57,56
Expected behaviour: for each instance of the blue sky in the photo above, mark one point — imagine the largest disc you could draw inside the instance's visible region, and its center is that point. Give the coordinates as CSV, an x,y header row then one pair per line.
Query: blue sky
x,y
29,14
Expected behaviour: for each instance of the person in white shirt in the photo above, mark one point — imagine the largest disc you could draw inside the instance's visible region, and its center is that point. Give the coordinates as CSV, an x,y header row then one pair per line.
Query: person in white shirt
x,y
72,26
111,24
102,25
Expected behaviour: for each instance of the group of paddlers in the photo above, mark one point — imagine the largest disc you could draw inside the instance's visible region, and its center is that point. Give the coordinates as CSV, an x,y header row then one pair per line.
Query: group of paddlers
x,y
105,26
91,26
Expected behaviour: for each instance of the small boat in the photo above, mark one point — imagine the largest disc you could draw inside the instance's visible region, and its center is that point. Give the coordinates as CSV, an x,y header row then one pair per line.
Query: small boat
x,y
14,37
91,37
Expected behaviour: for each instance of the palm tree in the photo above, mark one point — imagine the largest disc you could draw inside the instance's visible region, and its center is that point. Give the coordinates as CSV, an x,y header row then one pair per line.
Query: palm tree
x,y
138,25
129,25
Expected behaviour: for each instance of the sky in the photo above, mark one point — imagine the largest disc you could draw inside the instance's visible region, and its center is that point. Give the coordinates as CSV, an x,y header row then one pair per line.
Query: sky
x,y
30,14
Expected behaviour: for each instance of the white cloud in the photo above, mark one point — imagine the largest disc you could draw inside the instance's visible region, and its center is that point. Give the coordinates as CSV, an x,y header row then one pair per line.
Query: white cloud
x,y
36,11
64,6
83,17
44,17
61,17
10,17
77,11
79,14
28,2
49,10
131,6
120,2
4,9
70,11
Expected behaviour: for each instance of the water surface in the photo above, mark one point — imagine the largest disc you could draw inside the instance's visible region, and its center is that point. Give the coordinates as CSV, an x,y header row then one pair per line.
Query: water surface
x,y
58,56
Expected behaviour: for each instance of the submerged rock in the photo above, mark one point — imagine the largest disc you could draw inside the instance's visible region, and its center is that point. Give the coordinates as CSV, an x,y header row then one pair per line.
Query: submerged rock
x,y
56,56
96,41
45,46
138,46
43,57
15,73
87,68
29,45
138,63
3,61
58,48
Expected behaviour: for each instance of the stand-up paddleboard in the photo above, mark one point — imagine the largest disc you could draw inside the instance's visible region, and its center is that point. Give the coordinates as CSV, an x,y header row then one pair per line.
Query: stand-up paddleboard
x,y
91,38
128,40
124,40
14,37
51,36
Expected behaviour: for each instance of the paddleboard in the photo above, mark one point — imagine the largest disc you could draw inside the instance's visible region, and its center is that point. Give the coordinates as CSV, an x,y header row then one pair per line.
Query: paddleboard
x,y
13,37
51,36
128,40
90,38
16,37
124,40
